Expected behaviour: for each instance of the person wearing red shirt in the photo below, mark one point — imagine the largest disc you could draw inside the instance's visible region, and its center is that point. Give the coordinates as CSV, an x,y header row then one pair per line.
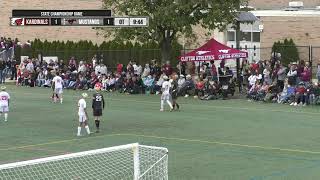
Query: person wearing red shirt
x,y
306,74
300,95
214,72
119,68
167,69
199,88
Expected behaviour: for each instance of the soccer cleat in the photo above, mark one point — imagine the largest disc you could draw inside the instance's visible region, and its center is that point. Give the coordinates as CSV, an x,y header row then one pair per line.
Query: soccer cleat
x,y
97,131
171,109
161,110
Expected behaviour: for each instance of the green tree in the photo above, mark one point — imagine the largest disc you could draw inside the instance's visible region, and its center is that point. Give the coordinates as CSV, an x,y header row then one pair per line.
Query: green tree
x,y
169,19
288,50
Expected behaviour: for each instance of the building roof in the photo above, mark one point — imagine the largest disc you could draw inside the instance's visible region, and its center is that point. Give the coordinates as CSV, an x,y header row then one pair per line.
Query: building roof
x,y
298,13
246,17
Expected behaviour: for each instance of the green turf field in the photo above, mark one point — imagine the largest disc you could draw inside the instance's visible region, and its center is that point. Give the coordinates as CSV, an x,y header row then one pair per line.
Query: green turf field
x,y
223,140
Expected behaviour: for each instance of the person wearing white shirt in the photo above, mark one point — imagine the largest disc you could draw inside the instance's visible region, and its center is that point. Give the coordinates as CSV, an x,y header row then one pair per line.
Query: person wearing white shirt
x,y
103,69
252,79
82,67
4,102
181,80
97,69
57,86
166,96
83,115
30,66
146,71
138,70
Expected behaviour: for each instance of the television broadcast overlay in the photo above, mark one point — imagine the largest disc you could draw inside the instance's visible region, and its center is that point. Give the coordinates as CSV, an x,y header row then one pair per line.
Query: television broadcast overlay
x,y
74,18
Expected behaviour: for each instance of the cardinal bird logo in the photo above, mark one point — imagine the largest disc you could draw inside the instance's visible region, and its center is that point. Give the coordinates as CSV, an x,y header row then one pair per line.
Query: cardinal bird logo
x,y
202,52
71,21
17,21
224,50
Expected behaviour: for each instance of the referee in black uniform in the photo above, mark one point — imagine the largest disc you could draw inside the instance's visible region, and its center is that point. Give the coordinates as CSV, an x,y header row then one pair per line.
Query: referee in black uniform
x,y
97,107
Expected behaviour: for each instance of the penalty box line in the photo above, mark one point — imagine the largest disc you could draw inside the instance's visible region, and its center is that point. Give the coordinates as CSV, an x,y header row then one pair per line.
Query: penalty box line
x,y
266,148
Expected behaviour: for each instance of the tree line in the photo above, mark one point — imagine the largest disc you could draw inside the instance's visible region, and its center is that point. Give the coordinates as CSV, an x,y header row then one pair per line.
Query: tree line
x,y
113,51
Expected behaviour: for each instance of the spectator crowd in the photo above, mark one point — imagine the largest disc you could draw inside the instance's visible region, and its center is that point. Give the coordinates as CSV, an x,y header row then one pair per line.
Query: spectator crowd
x,y
274,82
268,81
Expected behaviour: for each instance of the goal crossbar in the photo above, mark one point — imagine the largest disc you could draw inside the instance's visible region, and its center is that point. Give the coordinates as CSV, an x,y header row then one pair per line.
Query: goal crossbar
x,y
140,158
66,156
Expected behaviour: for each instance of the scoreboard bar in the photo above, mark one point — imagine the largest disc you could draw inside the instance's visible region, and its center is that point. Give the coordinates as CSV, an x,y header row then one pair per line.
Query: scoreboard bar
x,y
59,13
78,21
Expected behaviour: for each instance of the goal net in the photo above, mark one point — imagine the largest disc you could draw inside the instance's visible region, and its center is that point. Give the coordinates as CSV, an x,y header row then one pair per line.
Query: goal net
x,y
126,162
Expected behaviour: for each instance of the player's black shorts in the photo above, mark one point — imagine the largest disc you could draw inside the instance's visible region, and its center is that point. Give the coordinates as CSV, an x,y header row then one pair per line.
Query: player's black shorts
x,y
97,112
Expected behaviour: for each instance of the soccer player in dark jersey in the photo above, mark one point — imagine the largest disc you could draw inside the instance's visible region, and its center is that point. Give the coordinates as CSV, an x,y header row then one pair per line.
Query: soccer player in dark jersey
x,y
175,92
97,106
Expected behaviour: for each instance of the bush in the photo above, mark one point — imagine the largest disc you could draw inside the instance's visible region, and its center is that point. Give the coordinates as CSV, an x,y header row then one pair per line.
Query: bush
x,y
113,51
288,50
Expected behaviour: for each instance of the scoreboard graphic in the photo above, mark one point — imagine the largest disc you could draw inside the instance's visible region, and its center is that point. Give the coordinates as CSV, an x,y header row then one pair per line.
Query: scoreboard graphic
x,y
93,18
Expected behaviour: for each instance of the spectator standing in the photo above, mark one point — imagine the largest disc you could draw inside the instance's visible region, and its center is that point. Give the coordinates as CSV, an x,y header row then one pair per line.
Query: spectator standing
x,y
103,69
119,68
306,75
266,75
13,70
2,67
281,76
292,75
318,71
167,69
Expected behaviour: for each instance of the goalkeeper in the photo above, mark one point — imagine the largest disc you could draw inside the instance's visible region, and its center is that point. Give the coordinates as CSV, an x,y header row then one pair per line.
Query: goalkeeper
x,y
97,106
174,82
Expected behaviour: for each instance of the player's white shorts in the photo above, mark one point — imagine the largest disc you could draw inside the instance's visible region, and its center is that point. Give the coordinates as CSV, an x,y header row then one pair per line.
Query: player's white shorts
x,y
82,118
58,90
4,109
166,97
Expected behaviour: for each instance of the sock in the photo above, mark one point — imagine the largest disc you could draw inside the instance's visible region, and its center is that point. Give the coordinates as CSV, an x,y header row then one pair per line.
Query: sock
x,y
97,123
173,105
162,104
79,131
87,128
5,116
169,103
61,100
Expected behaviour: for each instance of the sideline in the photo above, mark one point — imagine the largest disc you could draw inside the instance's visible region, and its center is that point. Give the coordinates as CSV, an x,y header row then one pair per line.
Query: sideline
x,y
208,106
267,148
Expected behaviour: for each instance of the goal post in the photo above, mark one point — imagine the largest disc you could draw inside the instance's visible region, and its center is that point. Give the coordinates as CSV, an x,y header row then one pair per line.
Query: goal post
x,y
126,162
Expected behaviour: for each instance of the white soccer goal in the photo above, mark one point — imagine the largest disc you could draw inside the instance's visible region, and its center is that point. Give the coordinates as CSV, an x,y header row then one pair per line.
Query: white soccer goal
x,y
127,162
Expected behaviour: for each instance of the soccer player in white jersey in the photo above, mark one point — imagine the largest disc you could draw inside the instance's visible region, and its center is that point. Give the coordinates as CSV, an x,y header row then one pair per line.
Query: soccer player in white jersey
x,y
166,96
4,102
58,88
83,115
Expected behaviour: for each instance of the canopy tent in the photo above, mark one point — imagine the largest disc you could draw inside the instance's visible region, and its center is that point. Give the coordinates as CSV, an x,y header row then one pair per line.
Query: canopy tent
x,y
213,50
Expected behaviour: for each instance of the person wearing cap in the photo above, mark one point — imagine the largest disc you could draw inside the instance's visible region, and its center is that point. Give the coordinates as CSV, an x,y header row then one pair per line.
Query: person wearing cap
x,y
4,102
97,106
83,115
181,80
166,96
